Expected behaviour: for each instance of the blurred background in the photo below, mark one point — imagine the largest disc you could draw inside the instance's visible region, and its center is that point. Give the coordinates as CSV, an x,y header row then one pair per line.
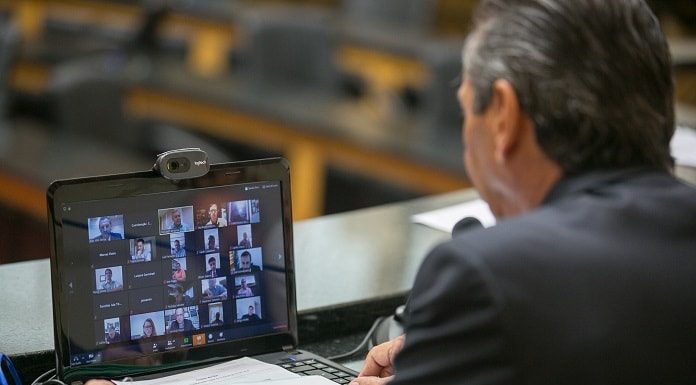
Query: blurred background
x,y
357,94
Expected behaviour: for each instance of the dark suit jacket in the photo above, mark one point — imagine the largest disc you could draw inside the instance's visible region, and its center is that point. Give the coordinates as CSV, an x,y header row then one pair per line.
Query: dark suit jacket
x,y
188,326
218,272
597,286
101,237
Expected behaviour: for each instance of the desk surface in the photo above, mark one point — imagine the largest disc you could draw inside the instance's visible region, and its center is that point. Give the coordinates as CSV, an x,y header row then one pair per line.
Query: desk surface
x,y
341,260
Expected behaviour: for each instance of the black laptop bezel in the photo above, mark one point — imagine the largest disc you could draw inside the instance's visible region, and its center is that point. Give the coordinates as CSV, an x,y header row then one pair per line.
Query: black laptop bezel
x,y
150,182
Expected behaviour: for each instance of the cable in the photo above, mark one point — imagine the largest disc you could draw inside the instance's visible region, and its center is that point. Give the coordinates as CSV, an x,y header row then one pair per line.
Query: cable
x,y
362,344
40,379
48,378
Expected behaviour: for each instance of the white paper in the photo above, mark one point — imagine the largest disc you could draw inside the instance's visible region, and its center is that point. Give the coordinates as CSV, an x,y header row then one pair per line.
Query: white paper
x,y
444,219
243,371
683,146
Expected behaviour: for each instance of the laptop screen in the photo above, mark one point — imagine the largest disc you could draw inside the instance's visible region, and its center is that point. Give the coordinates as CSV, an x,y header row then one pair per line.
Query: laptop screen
x,y
172,271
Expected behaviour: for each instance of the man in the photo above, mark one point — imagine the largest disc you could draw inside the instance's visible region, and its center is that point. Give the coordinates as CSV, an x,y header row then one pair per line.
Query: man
x,y
245,262
215,290
177,224
178,272
180,323
177,250
245,242
140,253
244,290
179,296
250,315
213,270
217,321
105,231
588,277
112,336
110,284
211,243
215,220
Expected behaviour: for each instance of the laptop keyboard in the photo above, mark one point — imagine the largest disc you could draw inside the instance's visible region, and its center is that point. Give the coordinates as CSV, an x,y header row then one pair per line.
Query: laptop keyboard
x,y
315,368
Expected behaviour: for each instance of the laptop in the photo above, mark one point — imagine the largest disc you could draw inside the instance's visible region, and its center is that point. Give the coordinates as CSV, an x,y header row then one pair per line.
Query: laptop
x,y
154,273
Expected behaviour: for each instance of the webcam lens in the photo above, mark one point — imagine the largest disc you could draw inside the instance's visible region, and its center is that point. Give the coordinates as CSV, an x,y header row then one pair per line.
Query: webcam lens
x,y
173,165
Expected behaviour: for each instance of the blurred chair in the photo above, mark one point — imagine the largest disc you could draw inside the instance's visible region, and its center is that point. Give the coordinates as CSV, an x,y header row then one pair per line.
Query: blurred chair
x,y
289,47
87,98
417,16
9,45
439,107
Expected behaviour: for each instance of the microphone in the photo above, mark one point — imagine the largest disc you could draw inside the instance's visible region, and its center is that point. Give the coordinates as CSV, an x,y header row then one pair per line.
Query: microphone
x,y
466,224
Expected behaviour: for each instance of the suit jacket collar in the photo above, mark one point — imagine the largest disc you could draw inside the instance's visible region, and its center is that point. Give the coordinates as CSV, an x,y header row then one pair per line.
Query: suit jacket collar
x,y
578,183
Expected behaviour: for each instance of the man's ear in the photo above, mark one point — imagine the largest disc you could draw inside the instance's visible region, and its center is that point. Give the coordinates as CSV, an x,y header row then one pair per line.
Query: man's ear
x,y
507,119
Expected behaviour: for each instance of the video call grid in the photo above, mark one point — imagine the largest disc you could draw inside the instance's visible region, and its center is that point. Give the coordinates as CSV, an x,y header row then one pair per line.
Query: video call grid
x,y
172,250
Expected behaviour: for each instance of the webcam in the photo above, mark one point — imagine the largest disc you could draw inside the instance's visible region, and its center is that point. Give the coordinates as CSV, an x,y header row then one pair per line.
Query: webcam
x,y
185,163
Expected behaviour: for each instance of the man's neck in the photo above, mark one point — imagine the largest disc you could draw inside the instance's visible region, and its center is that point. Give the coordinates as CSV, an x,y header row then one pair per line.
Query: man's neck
x,y
529,188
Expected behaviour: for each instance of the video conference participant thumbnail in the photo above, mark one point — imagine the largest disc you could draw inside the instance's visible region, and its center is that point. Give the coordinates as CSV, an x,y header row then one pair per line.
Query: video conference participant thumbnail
x,y
244,236
178,295
208,241
147,325
244,261
105,228
145,300
109,253
177,242
108,279
181,319
244,285
109,331
141,249
212,263
216,314
214,289
249,309
175,219
140,224
177,267
141,275
212,215
239,212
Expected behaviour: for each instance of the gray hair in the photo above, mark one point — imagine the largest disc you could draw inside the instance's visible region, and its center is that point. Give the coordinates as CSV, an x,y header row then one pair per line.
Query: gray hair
x,y
593,75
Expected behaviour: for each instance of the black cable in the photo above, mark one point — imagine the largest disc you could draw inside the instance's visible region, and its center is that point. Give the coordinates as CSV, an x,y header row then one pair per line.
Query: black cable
x,y
362,344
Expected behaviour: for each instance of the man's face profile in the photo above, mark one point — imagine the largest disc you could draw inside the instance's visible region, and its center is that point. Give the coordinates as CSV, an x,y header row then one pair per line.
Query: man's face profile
x,y
107,274
212,264
179,315
251,310
177,245
245,261
139,246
